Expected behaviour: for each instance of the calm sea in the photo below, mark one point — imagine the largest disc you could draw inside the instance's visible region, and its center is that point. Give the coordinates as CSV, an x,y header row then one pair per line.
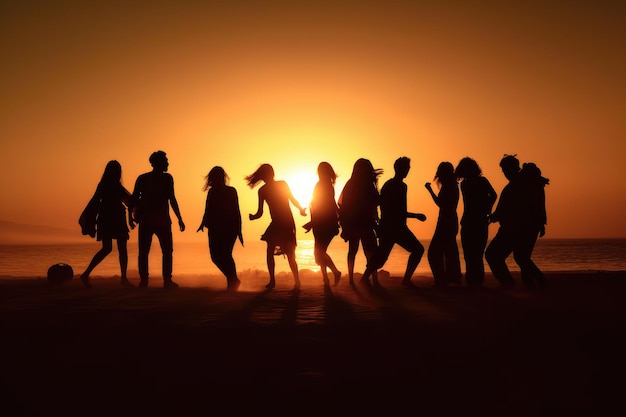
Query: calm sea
x,y
192,258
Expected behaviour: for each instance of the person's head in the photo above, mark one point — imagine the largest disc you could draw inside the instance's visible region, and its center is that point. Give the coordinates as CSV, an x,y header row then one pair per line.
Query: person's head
x,y
326,172
363,171
159,162
216,177
510,166
531,172
265,173
402,166
112,172
445,173
467,168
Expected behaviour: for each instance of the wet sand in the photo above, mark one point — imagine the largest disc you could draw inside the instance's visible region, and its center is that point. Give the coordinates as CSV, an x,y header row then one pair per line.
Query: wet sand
x,y
67,350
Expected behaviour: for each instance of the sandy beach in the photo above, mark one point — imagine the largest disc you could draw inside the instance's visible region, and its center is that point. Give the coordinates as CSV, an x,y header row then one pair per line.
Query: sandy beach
x,y
67,350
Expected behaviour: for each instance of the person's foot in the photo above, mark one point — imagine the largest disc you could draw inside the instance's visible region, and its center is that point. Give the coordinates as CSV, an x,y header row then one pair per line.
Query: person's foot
x,y
408,283
85,280
143,283
169,285
233,286
125,282
271,284
365,282
337,275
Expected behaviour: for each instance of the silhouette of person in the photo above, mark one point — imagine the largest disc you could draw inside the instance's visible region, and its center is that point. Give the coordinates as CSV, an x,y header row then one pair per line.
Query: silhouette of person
x,y
150,207
324,220
112,198
358,212
281,233
478,200
393,227
443,251
222,218
521,213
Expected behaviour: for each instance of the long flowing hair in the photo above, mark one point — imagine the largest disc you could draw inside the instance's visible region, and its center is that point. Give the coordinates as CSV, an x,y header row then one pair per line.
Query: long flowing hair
x,y
445,174
364,172
467,168
112,173
326,172
265,172
216,176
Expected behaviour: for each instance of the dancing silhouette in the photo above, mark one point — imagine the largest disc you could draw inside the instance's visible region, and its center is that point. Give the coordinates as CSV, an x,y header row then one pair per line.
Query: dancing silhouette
x,y
324,220
108,207
443,251
281,233
521,213
150,207
478,200
393,227
358,212
222,218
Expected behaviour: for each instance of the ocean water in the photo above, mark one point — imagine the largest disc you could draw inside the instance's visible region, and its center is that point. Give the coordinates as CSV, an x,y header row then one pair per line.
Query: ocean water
x,y
192,258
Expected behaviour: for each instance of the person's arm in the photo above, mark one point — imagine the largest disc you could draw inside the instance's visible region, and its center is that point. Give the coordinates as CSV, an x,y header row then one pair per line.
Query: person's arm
x,y
204,216
132,203
543,217
174,204
296,203
432,193
419,216
238,212
259,211
492,195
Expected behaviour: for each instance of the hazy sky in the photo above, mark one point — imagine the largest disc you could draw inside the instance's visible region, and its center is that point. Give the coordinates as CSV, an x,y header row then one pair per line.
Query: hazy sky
x,y
294,83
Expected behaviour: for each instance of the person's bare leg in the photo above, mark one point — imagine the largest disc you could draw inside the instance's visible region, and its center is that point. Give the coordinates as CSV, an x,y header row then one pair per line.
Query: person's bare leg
x,y
107,245
291,257
331,265
353,247
271,263
123,256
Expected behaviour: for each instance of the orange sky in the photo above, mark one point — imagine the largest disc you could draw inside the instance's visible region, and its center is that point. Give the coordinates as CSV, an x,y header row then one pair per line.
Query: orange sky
x,y
236,84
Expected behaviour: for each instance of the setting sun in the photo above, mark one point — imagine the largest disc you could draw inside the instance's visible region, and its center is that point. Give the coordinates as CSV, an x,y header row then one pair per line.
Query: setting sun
x,y
302,184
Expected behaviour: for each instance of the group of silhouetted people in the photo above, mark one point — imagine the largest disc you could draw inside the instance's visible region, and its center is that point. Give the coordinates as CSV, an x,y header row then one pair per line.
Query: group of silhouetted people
x,y
361,215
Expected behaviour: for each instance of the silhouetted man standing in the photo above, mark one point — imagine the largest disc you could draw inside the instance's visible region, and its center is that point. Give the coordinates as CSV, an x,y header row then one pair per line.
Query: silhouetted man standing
x,y
393,228
521,212
150,205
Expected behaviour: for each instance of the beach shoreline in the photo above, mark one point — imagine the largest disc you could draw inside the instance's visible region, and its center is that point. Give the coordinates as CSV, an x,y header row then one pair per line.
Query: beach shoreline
x,y
313,351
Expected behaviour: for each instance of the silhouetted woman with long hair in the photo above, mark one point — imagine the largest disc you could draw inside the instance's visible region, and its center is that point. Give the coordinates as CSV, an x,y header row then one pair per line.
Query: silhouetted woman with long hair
x,y
281,233
443,251
478,200
222,218
358,212
111,222
324,220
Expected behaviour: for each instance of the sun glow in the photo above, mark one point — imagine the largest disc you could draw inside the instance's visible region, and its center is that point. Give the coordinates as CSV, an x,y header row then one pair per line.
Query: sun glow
x,y
302,184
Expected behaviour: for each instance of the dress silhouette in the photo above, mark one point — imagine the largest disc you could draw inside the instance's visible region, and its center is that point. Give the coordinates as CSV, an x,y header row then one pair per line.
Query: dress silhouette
x,y
110,202
393,227
358,212
521,212
324,220
478,200
150,207
443,251
281,233
222,218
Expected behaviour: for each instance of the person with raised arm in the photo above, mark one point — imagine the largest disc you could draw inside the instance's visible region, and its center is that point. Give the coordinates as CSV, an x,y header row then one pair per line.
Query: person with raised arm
x,y
281,233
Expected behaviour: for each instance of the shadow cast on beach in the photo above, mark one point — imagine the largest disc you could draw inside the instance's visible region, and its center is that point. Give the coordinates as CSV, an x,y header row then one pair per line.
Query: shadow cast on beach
x,y
314,349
